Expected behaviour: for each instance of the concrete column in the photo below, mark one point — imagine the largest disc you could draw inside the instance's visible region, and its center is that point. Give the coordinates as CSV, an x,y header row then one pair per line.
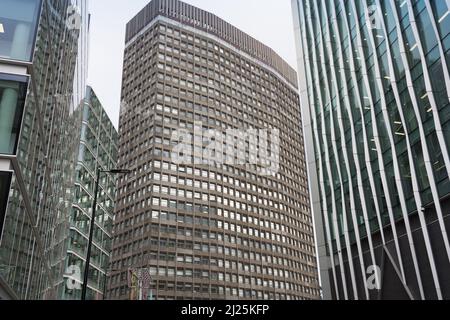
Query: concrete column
x,y
7,114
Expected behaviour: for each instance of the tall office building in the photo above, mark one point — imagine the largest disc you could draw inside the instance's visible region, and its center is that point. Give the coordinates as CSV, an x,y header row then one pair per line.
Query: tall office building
x,y
218,230
375,100
97,150
42,75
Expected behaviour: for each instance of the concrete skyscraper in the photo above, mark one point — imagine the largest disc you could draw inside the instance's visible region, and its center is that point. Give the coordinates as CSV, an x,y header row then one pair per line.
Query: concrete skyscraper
x,y
209,230
375,91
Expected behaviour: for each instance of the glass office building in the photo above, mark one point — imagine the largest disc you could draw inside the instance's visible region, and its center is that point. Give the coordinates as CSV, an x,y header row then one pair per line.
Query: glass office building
x,y
375,88
97,150
217,231
42,75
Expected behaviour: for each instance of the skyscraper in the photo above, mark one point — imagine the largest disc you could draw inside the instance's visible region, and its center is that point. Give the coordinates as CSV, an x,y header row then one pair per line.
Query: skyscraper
x,y
97,150
203,229
42,81
375,91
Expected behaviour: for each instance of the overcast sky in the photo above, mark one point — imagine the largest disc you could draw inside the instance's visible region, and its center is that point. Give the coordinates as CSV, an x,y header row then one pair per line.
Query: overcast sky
x,y
269,21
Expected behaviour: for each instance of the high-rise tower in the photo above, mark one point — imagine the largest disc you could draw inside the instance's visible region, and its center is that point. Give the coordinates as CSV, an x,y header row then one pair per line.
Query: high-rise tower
x,y
43,53
234,228
96,140
375,97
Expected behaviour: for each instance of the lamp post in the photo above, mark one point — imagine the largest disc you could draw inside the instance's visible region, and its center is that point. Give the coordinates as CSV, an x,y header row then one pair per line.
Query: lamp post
x,y
91,232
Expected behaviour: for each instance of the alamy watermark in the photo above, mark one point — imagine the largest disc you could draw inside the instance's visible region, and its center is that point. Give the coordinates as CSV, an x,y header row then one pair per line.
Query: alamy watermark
x,y
374,17
373,279
73,274
73,17
257,149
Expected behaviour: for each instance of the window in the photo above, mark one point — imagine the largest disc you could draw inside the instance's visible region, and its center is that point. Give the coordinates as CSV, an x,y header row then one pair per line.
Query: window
x,y
5,181
18,23
12,99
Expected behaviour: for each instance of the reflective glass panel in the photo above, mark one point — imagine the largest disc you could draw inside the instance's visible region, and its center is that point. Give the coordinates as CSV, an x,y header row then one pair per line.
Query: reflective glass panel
x,y
13,91
18,22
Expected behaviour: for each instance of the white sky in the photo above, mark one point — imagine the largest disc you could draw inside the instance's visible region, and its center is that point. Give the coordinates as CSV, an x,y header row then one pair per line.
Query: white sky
x,y
269,21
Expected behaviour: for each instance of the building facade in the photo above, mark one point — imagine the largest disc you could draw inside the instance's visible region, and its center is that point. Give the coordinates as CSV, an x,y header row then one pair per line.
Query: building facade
x,y
42,75
97,150
208,229
375,100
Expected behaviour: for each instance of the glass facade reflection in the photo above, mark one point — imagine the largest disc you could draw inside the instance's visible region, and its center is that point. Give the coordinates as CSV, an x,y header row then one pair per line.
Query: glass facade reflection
x,y
5,182
97,150
375,91
36,220
18,23
13,90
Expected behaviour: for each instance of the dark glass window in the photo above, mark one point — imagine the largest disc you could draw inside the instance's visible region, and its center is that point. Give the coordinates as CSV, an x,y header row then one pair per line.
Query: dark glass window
x,y
18,23
5,181
13,91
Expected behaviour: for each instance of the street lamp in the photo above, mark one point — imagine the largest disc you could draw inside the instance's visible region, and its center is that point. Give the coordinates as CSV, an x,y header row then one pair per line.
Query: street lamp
x,y
91,232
